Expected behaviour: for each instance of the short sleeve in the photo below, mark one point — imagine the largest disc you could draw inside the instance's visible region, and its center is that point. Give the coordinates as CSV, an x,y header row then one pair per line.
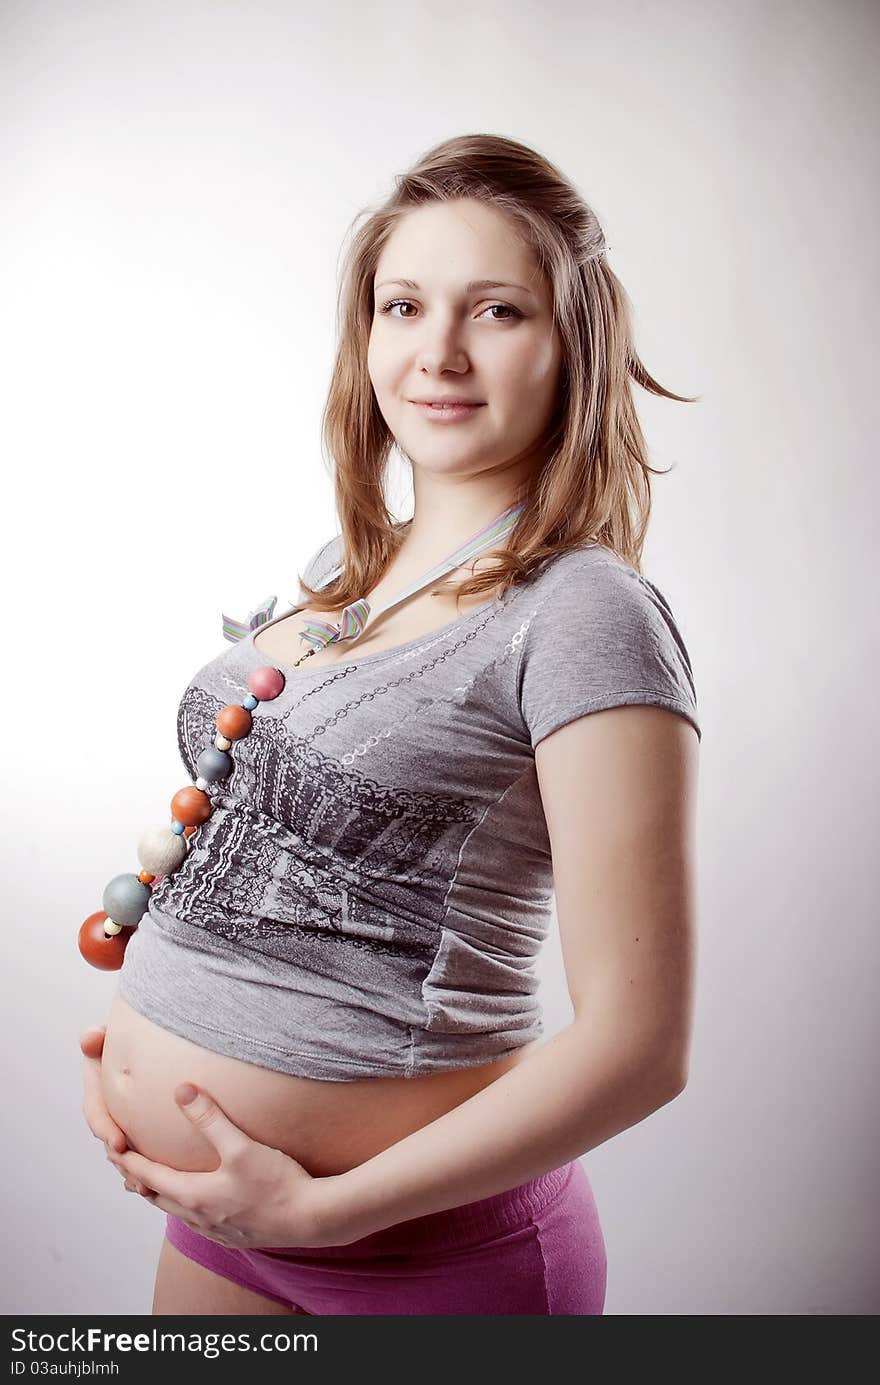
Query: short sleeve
x,y
601,636
324,564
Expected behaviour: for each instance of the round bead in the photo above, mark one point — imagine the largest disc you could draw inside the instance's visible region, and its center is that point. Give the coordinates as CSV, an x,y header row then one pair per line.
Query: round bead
x,y
191,806
111,928
214,764
221,743
250,702
125,899
160,850
266,682
201,783
145,877
234,721
177,828
100,951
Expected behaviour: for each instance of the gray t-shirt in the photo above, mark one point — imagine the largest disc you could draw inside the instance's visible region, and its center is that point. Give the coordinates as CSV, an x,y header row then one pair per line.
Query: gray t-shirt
x,y
374,883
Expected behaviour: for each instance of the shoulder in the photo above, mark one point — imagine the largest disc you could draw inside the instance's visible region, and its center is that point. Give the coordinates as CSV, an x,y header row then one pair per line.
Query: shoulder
x,y
600,634
324,562
595,588
591,567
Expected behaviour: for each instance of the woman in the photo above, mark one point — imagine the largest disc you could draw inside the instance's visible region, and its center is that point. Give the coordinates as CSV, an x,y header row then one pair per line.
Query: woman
x,y
344,964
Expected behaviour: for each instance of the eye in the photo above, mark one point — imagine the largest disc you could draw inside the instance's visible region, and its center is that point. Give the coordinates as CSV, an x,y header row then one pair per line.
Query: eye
x,y
405,302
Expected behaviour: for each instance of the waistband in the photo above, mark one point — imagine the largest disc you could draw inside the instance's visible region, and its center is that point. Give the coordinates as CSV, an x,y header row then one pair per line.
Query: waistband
x,y
451,1229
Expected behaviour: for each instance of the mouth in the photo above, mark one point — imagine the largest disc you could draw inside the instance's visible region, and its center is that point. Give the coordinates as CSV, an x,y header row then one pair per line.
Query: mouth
x,y
448,409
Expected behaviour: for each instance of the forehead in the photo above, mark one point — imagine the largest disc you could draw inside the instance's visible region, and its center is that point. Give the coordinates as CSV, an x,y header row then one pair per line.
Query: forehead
x,y
447,243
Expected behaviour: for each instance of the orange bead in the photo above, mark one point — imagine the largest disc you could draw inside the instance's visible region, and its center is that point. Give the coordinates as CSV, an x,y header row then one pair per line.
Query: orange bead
x,y
187,831
191,806
100,951
234,722
145,877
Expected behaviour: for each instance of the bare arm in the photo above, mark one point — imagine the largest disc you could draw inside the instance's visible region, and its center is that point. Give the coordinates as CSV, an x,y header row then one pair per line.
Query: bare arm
x,y
619,792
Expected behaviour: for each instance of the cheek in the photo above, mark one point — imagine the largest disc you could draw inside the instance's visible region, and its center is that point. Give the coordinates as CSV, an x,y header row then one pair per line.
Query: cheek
x,y
373,365
382,364
534,375
535,364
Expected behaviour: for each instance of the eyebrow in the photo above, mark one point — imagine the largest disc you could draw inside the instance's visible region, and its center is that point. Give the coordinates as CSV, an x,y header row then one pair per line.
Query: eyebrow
x,y
468,288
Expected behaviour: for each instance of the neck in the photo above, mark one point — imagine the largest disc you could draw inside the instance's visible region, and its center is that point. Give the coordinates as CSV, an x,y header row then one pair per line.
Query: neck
x,y
448,511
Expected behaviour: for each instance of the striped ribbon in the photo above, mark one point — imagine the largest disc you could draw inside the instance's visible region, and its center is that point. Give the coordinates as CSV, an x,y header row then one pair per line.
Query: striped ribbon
x,y
354,618
237,629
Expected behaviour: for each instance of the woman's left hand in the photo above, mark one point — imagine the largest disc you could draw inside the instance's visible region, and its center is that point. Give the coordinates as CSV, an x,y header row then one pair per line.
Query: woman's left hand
x,y
257,1197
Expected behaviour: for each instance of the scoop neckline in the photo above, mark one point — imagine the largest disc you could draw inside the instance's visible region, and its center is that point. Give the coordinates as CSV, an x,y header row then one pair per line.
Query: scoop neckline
x,y
354,662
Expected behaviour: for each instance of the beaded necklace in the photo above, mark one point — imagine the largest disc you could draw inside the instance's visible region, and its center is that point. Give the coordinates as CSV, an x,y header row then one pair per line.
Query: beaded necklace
x,y
104,935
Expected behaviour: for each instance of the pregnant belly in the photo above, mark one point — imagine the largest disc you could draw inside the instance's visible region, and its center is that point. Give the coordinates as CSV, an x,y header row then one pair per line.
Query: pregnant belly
x,y
328,1127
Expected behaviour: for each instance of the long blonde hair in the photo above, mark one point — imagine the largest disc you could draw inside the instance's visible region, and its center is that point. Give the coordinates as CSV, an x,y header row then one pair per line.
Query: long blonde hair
x,y
591,482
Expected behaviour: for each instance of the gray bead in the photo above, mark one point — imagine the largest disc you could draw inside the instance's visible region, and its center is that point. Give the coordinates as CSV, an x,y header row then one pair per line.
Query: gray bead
x,y
125,899
214,764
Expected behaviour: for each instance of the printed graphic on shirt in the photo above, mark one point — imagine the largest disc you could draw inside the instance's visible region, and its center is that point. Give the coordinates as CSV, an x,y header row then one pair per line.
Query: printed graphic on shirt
x,y
299,845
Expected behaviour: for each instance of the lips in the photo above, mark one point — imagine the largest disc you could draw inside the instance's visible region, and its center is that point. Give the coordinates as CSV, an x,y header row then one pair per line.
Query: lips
x,y
447,412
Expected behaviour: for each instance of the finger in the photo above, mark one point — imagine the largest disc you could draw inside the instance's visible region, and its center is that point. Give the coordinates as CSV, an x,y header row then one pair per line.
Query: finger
x,y
112,1139
167,1204
98,1118
169,1182
91,1041
134,1185
185,1215
102,1127
227,1138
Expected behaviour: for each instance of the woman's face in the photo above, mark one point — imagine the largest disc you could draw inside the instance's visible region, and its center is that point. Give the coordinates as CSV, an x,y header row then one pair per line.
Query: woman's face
x,y
496,346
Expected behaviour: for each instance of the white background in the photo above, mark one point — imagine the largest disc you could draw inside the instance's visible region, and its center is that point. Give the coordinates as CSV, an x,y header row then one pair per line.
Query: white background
x,y
175,183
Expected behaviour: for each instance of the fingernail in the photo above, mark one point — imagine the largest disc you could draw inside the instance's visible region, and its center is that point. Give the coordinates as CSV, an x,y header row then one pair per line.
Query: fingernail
x,y
187,1093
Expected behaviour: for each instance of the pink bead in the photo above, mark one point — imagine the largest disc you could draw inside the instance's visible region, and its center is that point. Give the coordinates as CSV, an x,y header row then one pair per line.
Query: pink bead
x,y
266,683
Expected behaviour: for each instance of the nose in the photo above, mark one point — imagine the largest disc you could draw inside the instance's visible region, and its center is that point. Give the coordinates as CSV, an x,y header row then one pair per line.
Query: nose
x,y
441,347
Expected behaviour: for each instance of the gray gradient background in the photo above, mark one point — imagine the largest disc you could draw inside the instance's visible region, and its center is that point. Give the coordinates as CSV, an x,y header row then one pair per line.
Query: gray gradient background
x,y
175,183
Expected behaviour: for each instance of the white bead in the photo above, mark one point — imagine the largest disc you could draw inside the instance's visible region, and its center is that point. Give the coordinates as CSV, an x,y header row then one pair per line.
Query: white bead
x,y
161,851
111,928
221,742
201,783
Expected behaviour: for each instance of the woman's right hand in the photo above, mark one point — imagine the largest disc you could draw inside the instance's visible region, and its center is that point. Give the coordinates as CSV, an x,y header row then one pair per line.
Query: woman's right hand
x,y
98,1118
